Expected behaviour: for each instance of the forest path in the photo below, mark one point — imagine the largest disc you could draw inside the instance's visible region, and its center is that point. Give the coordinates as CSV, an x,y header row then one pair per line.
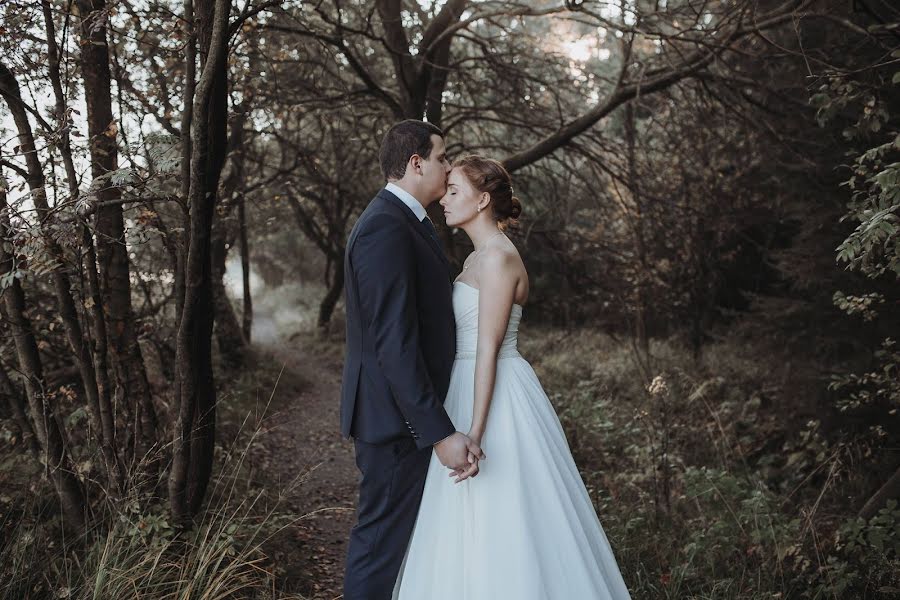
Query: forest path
x,y
302,438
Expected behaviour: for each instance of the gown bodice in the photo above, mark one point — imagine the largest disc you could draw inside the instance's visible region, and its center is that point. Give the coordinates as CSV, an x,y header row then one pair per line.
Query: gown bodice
x,y
465,309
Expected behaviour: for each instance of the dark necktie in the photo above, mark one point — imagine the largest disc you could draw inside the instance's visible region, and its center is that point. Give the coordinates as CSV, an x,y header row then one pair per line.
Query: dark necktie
x,y
437,241
430,227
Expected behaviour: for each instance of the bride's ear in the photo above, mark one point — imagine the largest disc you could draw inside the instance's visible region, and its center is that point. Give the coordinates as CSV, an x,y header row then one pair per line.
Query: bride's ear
x,y
484,201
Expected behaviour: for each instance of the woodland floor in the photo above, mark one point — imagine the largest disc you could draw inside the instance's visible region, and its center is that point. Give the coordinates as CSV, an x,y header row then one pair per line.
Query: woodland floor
x,y
301,437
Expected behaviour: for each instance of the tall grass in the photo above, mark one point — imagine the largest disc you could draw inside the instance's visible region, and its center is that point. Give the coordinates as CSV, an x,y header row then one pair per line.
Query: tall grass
x,y
133,552
709,481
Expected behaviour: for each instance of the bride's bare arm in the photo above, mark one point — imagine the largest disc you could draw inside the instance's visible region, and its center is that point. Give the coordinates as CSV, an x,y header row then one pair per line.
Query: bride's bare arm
x,y
498,278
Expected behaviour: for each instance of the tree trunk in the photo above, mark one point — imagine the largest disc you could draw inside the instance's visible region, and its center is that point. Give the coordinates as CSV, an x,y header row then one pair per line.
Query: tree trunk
x,y
890,490
229,333
326,308
642,339
230,337
238,149
435,69
187,118
98,341
247,313
9,89
112,253
55,456
195,389
16,403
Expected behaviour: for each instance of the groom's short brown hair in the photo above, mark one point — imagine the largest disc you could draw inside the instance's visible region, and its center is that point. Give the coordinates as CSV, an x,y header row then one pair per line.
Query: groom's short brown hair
x,y
403,140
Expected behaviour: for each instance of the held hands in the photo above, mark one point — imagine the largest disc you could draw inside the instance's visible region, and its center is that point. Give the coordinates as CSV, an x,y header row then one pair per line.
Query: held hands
x,y
460,453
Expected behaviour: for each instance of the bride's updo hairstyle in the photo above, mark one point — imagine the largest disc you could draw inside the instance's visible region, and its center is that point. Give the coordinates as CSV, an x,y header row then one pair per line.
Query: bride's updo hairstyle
x,y
488,175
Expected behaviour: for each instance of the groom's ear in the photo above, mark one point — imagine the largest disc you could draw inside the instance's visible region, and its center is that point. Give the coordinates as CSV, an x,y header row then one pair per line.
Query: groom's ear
x,y
415,162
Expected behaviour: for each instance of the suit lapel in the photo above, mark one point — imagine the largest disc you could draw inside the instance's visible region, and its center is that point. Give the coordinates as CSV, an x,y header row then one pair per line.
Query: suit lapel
x,y
417,225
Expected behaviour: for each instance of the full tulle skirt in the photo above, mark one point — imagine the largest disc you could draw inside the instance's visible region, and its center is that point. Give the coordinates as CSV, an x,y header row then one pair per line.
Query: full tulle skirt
x,y
525,527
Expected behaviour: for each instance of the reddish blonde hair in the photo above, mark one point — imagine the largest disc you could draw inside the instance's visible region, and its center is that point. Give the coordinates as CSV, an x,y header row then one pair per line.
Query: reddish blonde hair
x,y
488,175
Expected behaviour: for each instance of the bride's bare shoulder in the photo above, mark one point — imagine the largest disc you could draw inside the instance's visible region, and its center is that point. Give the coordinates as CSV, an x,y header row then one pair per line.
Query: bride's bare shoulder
x,y
500,258
503,260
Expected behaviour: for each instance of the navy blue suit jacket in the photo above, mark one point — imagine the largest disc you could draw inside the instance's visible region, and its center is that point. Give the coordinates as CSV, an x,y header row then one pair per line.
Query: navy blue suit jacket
x,y
401,332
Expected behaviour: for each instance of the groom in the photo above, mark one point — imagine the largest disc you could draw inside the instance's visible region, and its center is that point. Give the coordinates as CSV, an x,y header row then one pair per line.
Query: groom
x,y
401,342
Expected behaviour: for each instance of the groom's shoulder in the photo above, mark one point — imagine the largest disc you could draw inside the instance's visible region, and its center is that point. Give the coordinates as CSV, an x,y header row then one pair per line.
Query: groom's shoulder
x,y
381,217
381,211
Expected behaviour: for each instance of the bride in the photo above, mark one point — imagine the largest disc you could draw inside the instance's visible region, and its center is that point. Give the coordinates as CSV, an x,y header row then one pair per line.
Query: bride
x,y
524,528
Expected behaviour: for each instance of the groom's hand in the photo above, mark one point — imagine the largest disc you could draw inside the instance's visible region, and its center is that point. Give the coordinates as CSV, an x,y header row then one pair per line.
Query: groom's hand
x,y
460,454
455,450
452,451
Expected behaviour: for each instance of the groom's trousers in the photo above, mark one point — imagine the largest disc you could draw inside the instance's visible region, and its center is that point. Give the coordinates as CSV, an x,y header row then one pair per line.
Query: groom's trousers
x,y
393,477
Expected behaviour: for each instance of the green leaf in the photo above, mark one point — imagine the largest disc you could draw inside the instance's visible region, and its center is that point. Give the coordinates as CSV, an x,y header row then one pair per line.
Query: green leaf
x,y
818,100
77,415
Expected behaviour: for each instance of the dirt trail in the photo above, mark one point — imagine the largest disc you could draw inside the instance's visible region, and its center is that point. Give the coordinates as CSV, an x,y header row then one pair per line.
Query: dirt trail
x,y
302,436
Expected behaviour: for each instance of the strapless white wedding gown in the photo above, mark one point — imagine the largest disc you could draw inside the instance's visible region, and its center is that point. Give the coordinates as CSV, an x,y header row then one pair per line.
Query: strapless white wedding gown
x,y
524,528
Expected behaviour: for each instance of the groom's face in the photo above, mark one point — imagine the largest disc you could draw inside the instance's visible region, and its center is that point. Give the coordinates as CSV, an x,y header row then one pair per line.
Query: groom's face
x,y
434,170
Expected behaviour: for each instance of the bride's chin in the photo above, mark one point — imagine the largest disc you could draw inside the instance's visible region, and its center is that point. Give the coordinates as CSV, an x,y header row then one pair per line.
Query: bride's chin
x,y
453,221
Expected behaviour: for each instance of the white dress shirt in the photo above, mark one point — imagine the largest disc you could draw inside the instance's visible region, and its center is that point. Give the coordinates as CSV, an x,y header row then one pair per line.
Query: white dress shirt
x,y
407,199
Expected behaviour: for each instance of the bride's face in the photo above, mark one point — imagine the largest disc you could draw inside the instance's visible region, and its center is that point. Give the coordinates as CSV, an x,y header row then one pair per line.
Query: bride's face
x,y
461,200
